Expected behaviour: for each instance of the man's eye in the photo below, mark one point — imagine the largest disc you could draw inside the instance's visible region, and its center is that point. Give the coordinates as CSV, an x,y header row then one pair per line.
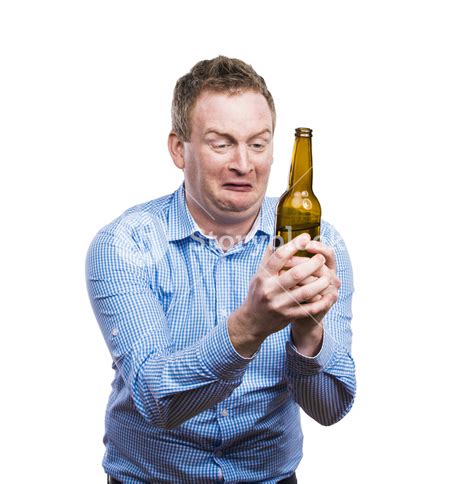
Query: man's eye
x,y
257,146
220,146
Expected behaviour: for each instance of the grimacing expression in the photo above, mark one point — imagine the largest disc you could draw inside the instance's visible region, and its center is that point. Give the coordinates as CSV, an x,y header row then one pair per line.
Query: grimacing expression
x,y
228,158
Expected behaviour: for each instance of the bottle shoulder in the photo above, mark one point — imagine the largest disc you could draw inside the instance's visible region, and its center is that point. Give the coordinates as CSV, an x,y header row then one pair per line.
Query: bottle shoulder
x,y
299,199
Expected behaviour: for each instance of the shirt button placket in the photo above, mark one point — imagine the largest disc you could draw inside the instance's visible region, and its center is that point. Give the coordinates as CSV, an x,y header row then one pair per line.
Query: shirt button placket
x,y
221,287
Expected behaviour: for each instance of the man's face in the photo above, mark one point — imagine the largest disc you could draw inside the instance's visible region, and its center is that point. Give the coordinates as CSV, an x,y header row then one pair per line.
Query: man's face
x,y
228,158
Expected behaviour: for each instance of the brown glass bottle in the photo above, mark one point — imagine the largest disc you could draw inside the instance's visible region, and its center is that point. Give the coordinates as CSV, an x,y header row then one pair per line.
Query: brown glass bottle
x,y
298,210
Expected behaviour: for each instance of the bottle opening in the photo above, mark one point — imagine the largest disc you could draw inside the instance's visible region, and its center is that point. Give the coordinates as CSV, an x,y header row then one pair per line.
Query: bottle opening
x,y
304,132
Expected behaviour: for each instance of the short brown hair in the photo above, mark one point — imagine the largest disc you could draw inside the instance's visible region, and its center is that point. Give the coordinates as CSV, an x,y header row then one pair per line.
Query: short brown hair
x,y
221,74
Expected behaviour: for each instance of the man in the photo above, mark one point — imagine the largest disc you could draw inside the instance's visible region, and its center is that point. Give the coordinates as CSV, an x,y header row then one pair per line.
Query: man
x,y
217,340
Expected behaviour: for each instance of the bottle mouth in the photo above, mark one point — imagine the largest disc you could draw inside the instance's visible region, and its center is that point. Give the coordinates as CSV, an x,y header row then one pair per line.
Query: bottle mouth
x,y
304,132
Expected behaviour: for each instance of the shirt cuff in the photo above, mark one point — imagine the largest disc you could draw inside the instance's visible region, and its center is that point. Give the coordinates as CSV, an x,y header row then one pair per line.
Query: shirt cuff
x,y
307,365
219,355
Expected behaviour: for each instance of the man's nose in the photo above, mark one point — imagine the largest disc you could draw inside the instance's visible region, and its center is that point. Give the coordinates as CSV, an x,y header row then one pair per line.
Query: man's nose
x,y
241,162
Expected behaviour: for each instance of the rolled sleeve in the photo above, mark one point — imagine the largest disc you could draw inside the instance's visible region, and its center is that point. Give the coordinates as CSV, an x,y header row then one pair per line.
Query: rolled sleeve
x,y
219,355
299,364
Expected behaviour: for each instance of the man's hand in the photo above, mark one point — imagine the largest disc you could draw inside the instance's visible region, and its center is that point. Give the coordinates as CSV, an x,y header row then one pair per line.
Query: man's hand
x,y
285,288
307,332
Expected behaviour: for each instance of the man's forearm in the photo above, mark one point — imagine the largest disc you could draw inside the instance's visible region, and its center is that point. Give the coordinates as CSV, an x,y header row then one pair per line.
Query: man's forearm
x,y
323,385
171,388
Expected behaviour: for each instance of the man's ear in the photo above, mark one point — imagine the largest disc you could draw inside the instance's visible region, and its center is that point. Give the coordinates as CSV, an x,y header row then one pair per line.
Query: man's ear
x,y
176,149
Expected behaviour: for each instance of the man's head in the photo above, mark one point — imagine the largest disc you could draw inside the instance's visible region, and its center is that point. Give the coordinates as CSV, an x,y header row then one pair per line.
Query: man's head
x,y
222,139
218,75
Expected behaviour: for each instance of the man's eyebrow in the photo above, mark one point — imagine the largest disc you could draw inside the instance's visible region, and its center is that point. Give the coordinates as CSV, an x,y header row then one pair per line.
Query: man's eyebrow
x,y
215,131
264,131
219,133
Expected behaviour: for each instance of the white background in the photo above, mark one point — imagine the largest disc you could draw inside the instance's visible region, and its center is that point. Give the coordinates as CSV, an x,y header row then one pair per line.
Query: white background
x,y
387,87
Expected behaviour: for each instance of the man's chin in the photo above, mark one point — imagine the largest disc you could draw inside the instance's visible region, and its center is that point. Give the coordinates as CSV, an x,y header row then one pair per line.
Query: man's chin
x,y
236,207
239,204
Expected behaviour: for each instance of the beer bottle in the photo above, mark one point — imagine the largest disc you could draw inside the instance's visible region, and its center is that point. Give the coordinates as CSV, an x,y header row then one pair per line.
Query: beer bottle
x,y
298,210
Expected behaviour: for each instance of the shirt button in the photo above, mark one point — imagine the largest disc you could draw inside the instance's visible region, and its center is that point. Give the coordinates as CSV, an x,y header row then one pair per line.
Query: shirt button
x,y
224,412
218,453
115,332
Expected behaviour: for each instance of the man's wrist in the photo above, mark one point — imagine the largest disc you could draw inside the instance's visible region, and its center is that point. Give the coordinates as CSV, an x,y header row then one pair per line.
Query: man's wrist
x,y
307,337
243,336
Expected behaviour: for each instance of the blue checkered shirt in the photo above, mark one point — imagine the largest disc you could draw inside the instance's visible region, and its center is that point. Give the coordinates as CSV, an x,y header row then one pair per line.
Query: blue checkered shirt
x,y
185,406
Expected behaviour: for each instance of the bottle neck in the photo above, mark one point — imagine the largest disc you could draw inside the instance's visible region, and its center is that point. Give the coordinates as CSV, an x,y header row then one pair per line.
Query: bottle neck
x,y
301,173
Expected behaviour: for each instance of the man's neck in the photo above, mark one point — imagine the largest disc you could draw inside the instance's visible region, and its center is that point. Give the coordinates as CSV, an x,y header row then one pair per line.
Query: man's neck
x,y
228,231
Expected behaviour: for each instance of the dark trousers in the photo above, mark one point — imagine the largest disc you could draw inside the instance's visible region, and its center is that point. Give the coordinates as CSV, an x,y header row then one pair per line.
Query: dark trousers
x,y
288,480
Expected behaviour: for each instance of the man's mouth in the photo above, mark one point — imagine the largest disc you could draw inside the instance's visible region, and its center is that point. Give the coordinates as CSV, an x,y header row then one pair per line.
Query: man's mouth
x,y
238,187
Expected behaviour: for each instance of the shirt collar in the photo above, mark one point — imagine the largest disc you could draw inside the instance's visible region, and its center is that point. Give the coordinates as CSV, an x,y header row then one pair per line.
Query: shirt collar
x,y
267,219
181,223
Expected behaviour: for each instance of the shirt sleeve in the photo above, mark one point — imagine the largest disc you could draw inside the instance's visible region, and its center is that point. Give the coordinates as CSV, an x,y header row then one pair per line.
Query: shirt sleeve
x,y
168,386
325,385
